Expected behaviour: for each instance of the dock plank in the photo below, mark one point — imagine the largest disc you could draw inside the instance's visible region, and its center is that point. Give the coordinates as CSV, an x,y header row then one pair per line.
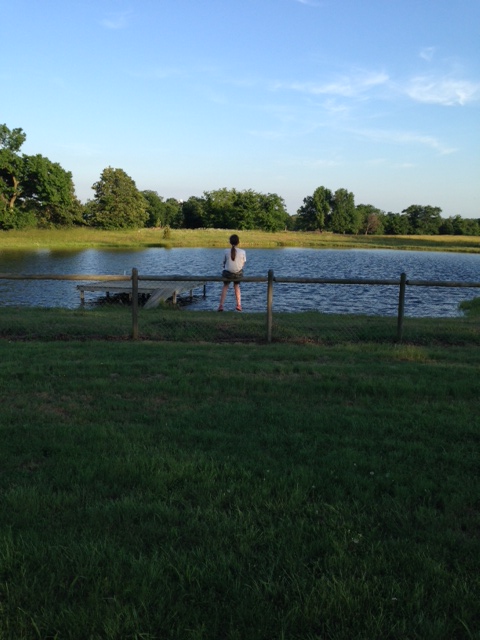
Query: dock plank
x,y
158,291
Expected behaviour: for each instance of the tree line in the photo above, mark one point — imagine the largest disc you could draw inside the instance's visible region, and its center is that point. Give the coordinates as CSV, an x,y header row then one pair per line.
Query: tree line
x,y
35,192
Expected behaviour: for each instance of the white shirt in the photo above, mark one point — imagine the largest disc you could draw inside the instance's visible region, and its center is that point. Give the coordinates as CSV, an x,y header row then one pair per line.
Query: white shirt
x,y
234,265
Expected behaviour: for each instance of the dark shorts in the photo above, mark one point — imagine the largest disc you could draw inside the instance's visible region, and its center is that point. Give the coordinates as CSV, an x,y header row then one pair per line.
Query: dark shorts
x,y
228,276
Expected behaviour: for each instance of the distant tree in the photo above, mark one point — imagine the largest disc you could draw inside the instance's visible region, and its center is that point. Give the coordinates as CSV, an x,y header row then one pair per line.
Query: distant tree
x,y
173,213
423,220
396,224
344,217
117,203
471,227
11,165
33,190
248,209
272,213
458,226
49,192
219,208
315,213
155,209
194,215
371,219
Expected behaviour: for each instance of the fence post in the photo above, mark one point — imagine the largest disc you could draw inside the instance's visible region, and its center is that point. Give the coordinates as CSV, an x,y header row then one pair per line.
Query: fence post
x,y
134,303
401,306
269,305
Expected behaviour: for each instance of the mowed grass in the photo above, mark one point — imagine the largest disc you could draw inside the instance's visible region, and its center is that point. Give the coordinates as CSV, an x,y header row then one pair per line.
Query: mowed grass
x,y
231,491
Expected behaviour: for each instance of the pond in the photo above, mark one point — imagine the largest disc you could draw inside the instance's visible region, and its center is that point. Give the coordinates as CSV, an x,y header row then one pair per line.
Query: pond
x,y
285,262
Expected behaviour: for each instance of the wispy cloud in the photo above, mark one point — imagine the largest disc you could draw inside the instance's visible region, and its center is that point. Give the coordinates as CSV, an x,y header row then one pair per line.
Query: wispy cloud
x,y
427,53
116,20
444,91
405,138
345,86
311,3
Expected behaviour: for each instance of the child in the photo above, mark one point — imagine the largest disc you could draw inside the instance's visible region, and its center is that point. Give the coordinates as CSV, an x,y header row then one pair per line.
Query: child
x,y
233,262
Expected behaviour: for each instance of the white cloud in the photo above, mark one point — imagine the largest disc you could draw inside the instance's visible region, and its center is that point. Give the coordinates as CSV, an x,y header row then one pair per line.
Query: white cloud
x,y
444,91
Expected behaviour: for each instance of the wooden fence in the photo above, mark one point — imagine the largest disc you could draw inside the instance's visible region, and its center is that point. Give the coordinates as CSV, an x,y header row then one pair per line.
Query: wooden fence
x,y
270,279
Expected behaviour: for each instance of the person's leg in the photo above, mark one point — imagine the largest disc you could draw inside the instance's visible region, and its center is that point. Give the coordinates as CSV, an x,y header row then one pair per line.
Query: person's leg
x,y
223,296
238,295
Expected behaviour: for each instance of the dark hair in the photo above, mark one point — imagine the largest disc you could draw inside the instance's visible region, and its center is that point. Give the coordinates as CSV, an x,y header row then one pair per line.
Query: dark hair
x,y
234,240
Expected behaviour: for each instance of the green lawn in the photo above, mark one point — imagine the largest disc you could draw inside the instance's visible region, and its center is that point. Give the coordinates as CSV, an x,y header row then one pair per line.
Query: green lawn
x,y
177,490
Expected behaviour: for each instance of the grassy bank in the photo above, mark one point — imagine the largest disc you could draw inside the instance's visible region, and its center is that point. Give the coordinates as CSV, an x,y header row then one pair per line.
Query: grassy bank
x,y
81,238
170,324
180,490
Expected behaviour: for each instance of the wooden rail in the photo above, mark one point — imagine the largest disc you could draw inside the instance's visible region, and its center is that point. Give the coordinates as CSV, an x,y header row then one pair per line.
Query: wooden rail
x,y
135,278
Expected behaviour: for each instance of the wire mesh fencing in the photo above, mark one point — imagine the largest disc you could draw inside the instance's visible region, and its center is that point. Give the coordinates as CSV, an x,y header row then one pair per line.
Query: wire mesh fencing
x,y
324,312
297,310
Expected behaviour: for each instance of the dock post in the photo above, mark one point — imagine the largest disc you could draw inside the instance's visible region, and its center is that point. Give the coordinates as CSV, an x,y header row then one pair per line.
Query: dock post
x,y
401,306
269,305
134,303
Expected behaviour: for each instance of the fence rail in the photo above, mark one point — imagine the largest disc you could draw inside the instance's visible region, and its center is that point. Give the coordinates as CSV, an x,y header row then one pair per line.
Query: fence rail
x,y
402,283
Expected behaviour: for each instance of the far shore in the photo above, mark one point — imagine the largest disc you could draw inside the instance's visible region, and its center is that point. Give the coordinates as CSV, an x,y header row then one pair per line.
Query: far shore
x,y
83,238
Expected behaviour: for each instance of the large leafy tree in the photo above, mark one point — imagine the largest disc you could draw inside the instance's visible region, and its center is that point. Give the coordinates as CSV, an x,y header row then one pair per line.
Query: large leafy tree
x,y
371,219
423,220
11,165
117,204
33,190
395,224
272,213
345,218
155,209
248,209
316,210
49,192
194,213
220,208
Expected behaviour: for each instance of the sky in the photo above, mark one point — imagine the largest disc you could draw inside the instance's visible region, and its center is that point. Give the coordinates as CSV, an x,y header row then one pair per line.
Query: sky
x,y
379,97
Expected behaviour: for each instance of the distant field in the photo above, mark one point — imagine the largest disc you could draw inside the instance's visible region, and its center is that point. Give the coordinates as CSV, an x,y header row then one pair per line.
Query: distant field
x,y
80,238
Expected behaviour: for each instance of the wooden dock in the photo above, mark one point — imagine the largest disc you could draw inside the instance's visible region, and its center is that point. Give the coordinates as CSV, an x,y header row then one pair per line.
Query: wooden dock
x,y
157,291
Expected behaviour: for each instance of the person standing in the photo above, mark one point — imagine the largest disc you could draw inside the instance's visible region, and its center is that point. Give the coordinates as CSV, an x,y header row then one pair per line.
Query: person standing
x,y
233,261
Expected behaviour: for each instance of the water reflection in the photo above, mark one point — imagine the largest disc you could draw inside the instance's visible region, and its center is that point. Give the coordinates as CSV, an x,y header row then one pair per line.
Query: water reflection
x,y
287,262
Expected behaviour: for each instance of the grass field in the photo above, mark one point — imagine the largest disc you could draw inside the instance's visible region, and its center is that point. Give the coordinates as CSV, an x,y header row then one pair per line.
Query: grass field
x,y
80,238
176,490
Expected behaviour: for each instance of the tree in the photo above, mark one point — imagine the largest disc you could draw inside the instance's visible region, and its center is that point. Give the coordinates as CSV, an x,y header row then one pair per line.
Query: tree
x,y
194,214
33,190
272,213
371,219
11,166
117,203
396,224
155,209
344,218
316,210
219,208
423,220
49,192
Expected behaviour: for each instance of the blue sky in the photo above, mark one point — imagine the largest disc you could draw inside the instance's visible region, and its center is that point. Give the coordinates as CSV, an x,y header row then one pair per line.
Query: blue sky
x,y
380,97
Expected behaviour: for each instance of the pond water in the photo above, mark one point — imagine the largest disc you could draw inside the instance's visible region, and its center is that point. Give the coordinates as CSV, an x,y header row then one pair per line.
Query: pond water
x,y
286,262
